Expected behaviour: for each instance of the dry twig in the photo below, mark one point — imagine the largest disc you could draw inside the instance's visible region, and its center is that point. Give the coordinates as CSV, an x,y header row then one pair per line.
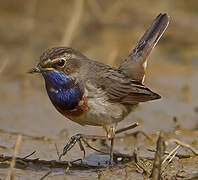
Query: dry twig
x,y
47,174
184,145
23,163
127,128
180,156
3,147
57,151
29,155
13,161
169,161
139,164
170,154
156,171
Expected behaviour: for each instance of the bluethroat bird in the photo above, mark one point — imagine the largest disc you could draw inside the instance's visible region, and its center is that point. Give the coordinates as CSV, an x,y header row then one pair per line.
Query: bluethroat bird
x,y
91,93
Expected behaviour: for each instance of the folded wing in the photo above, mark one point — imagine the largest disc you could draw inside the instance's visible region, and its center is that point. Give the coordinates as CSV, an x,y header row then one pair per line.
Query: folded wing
x,y
130,92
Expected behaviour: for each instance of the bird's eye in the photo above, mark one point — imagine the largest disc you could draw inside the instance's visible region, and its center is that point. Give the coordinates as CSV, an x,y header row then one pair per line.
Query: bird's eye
x,y
61,62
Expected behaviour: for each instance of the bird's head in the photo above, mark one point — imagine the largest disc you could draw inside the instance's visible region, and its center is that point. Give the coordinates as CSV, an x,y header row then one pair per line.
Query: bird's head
x,y
58,66
60,59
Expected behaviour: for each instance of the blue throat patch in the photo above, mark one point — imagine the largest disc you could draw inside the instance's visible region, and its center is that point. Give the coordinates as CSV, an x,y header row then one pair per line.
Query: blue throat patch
x,y
63,92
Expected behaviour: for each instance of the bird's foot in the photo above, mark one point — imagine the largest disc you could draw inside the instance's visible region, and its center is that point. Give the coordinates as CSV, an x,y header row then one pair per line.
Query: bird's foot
x,y
73,140
81,138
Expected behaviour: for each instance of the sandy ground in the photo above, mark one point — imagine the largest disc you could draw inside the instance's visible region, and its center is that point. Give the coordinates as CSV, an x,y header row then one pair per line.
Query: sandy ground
x,y
107,32
30,112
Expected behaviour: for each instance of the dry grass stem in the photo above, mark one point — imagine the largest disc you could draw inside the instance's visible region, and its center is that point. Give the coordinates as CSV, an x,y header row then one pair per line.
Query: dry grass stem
x,y
37,163
29,155
23,163
180,156
47,174
57,151
127,128
143,133
184,145
139,164
169,161
12,164
156,171
170,154
72,26
3,147
3,65
172,157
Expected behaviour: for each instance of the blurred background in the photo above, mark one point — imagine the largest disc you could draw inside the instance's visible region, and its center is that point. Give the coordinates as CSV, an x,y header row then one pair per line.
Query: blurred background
x,y
105,31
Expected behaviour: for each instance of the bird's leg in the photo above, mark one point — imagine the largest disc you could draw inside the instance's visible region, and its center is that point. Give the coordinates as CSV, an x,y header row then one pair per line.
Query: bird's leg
x,y
111,151
77,138
110,130
111,135
82,138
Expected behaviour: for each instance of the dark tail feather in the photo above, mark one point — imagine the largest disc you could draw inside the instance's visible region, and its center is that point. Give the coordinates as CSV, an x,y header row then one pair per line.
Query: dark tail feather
x,y
135,65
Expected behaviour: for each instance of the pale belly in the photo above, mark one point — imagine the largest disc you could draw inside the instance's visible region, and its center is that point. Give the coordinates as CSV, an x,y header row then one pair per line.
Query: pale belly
x,y
102,113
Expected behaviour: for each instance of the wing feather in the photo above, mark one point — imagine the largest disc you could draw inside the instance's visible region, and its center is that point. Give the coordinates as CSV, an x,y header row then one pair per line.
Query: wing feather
x,y
130,93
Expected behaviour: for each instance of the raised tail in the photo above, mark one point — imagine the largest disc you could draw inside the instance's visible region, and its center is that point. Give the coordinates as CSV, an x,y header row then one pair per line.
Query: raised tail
x,y
135,64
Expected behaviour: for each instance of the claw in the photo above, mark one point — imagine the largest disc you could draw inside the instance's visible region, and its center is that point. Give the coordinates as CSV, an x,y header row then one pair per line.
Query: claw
x,y
82,148
80,138
73,140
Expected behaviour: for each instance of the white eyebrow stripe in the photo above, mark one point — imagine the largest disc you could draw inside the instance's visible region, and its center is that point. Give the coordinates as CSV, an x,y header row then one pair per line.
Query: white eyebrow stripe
x,y
55,60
